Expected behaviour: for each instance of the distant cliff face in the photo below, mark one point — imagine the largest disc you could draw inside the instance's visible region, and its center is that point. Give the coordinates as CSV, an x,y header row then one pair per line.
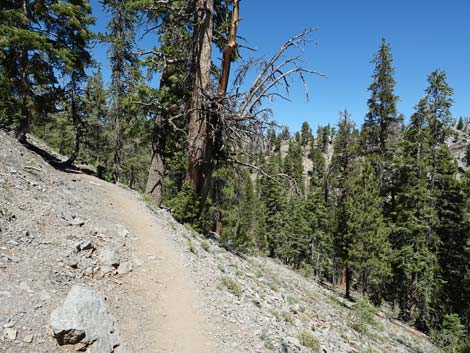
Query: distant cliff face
x,y
458,145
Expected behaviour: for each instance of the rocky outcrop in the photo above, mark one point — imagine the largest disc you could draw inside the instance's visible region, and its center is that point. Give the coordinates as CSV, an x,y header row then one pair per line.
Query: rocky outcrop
x,y
84,319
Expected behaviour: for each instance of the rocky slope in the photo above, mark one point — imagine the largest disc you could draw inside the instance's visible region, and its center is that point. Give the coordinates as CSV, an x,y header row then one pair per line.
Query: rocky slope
x,y
61,229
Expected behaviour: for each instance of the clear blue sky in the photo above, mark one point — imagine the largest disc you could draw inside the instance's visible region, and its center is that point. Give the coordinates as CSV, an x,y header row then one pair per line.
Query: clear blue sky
x,y
424,35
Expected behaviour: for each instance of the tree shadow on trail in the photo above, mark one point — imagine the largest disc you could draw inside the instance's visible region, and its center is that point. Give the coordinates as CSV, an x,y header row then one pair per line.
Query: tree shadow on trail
x,y
55,162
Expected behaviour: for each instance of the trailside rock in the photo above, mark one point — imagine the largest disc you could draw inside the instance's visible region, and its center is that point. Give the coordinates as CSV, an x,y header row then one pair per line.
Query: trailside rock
x,y
84,318
108,257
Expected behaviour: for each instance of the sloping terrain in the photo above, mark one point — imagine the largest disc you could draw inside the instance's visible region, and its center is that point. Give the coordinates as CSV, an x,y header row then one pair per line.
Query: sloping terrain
x,y
171,289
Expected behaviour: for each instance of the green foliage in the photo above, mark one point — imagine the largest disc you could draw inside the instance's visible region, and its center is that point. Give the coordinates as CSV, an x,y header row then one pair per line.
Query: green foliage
x,y
232,286
306,137
369,248
363,316
460,124
205,245
451,337
185,206
382,120
309,341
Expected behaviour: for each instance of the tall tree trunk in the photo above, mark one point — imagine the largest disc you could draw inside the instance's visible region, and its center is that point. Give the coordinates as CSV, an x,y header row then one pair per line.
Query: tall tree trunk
x,y
77,129
27,115
199,135
157,164
119,92
348,275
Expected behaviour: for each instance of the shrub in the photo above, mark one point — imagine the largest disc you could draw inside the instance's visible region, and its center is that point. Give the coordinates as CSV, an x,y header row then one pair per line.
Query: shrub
x,y
232,286
309,341
205,245
363,316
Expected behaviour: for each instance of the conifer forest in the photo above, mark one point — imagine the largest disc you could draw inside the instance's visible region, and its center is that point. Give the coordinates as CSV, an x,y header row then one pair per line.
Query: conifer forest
x,y
380,208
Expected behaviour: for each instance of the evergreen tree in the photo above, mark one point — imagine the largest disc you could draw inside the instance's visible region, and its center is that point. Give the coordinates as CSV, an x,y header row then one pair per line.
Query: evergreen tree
x,y
452,229
460,124
293,165
382,121
72,27
369,250
29,57
414,235
305,134
97,138
344,153
125,72
320,254
273,192
295,248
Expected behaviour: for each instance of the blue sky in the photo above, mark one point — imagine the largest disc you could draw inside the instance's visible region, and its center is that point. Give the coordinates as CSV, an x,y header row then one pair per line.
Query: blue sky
x,y
424,35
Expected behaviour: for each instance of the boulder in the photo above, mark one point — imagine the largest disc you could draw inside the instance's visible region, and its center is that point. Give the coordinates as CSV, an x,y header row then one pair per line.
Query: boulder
x,y
84,319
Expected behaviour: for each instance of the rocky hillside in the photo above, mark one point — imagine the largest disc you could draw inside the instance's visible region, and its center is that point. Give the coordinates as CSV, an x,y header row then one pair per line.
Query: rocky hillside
x,y
458,145
60,231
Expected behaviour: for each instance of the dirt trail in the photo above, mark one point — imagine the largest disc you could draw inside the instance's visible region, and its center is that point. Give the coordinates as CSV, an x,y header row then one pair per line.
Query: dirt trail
x,y
168,299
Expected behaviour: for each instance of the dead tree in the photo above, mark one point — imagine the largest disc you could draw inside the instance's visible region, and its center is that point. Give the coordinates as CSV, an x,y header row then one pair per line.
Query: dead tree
x,y
242,116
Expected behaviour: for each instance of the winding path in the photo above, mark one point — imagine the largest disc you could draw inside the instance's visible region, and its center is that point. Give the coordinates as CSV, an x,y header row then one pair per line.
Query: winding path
x,y
170,319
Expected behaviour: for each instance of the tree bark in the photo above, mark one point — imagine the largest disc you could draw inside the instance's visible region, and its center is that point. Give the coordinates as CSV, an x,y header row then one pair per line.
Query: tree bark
x,y
199,139
157,164
348,276
76,124
27,115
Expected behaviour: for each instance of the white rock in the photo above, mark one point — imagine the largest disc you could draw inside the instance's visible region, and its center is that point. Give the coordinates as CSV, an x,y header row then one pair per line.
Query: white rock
x,y
10,333
84,318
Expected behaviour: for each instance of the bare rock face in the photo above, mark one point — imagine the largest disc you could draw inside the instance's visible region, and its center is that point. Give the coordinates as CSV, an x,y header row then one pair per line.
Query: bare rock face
x,y
84,319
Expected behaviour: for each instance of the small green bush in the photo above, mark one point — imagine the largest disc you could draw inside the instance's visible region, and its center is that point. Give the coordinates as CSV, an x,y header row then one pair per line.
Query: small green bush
x,y
288,317
309,341
232,286
206,246
363,316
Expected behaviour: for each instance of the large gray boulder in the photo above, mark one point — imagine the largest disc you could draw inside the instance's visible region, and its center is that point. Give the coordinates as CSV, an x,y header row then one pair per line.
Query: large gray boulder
x,y
84,319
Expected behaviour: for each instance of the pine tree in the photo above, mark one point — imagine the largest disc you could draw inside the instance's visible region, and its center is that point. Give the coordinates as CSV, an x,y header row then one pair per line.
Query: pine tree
x,y
273,192
29,56
414,235
369,250
97,140
72,27
460,124
125,72
452,229
344,153
295,248
170,59
305,134
382,121
320,252
293,165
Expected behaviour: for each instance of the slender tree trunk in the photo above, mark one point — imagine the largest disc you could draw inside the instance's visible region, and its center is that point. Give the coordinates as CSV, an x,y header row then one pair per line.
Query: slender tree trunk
x,y
116,169
348,275
157,164
77,129
199,135
26,113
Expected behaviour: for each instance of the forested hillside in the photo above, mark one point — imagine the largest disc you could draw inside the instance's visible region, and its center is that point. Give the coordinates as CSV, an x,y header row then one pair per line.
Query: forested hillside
x,y
381,208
